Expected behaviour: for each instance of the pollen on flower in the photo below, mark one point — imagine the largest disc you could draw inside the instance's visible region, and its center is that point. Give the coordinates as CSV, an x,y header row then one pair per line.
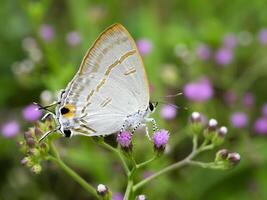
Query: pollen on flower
x,y
160,139
124,139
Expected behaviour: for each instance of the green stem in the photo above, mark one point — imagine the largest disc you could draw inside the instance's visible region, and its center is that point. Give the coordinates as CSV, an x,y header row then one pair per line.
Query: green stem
x,y
143,164
56,158
128,190
118,153
90,189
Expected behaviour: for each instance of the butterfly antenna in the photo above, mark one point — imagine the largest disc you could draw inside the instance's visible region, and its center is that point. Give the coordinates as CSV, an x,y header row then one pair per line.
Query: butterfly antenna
x,y
174,95
40,107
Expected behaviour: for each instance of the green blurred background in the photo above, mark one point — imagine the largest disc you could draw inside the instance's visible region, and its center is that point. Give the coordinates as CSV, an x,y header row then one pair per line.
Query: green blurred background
x,y
43,42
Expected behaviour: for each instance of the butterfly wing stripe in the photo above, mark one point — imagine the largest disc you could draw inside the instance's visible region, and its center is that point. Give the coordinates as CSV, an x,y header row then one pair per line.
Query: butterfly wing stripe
x,y
130,71
119,61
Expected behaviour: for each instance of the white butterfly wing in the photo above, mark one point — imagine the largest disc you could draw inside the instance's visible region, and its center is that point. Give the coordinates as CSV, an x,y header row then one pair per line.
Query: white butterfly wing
x,y
110,84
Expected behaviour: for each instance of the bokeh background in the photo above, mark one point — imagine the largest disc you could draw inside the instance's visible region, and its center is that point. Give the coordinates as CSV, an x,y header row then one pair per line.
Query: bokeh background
x,y
212,51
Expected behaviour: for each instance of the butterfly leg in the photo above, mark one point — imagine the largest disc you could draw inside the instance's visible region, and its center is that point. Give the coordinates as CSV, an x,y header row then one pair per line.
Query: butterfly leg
x,y
136,127
154,124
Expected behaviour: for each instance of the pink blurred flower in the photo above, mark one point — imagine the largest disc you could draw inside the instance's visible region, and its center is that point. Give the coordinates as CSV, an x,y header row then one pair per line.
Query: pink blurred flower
x,y
263,36
224,56
199,91
264,110
168,112
10,129
248,100
230,41
239,119
73,38
203,52
144,46
117,196
31,113
260,126
46,32
230,97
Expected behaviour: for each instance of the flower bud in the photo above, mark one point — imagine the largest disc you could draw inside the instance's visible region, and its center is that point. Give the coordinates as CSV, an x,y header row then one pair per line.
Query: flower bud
x,y
221,155
210,132
38,133
30,142
34,152
141,197
125,140
219,137
28,135
36,169
160,140
196,124
102,190
25,161
233,158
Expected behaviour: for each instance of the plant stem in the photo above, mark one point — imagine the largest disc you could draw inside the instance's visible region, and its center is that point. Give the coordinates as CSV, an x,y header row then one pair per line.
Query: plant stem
x,y
140,165
56,158
163,171
118,153
128,189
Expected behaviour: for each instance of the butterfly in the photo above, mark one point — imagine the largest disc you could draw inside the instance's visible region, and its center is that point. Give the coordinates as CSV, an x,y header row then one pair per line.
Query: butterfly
x,y
110,91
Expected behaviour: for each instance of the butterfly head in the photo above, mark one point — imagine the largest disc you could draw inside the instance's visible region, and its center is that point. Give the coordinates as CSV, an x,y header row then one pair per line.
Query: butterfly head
x,y
66,119
152,106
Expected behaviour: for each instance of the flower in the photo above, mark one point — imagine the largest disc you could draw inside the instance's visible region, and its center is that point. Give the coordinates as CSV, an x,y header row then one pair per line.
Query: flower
x,y
46,32
31,113
199,91
144,46
260,126
233,158
262,37
160,139
10,129
264,110
203,52
141,197
117,196
125,140
73,38
230,97
102,190
168,112
248,99
230,41
224,56
239,120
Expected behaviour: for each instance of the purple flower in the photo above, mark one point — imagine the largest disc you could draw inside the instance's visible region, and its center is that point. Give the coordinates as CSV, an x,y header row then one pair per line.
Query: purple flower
x,y
160,139
230,97
10,129
239,120
224,56
264,110
248,99
46,32
260,126
199,91
73,38
168,112
263,36
144,46
203,52
230,41
117,196
124,139
31,113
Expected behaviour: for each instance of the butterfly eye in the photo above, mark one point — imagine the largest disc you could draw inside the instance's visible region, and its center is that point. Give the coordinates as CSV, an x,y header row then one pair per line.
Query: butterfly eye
x,y
151,106
67,132
64,110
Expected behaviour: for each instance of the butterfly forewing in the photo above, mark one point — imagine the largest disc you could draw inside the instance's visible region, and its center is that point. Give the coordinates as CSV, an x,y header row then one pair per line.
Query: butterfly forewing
x,y
110,84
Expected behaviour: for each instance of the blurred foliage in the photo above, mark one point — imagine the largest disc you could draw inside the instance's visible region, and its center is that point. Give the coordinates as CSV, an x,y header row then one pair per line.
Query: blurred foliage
x,y
168,25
